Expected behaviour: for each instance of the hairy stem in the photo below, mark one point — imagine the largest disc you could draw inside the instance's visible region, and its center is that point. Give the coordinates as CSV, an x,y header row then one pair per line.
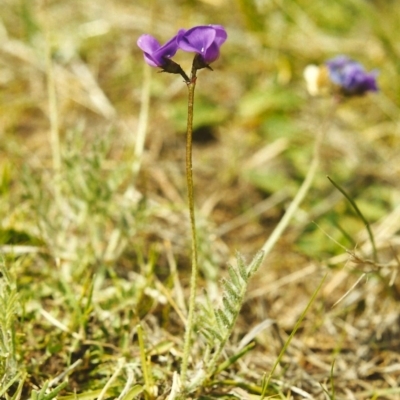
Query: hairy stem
x,y
189,176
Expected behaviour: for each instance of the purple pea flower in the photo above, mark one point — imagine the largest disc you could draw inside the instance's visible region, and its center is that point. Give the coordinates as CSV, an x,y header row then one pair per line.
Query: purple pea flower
x,y
160,56
205,40
351,76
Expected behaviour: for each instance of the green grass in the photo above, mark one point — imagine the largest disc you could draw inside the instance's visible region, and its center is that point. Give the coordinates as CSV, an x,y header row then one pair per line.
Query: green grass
x,y
94,230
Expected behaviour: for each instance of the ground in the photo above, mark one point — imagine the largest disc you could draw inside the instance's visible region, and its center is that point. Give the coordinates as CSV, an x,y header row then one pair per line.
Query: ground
x,y
95,234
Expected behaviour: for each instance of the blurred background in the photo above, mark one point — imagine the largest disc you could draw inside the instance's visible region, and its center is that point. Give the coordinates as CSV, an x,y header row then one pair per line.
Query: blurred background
x,y
255,123
73,68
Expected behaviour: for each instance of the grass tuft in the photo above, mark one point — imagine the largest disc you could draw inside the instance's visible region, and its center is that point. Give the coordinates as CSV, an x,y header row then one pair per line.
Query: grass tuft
x,y
93,229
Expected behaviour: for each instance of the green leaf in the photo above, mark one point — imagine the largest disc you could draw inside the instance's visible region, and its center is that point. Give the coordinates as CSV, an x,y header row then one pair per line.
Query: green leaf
x,y
255,263
224,318
241,264
55,391
230,291
90,395
133,392
229,308
212,333
234,277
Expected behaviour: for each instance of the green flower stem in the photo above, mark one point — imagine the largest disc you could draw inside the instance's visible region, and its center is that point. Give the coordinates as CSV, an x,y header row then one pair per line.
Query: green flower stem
x,y
361,216
304,188
189,176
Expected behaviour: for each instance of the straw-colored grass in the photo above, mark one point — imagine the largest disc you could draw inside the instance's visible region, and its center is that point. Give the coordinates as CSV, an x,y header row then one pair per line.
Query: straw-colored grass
x,y
94,234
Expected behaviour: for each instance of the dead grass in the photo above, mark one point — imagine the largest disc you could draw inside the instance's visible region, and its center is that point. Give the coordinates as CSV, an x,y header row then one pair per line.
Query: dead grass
x,y
94,249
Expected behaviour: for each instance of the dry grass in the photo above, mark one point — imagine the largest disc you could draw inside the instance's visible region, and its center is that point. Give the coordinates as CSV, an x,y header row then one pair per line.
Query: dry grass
x,y
98,242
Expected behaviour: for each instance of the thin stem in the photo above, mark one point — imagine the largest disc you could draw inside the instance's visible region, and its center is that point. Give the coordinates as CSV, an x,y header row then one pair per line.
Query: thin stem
x,y
360,214
304,188
189,176
52,99
296,327
148,379
143,121
114,376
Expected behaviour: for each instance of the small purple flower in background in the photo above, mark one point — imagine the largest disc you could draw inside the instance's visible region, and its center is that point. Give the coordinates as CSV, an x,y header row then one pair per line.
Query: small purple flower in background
x,y
205,40
340,75
351,76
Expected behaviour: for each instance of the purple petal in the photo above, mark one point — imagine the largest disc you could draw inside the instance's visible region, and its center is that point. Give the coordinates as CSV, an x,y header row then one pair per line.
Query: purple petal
x,y
220,36
351,76
359,82
148,43
204,40
169,49
337,62
211,54
197,39
155,54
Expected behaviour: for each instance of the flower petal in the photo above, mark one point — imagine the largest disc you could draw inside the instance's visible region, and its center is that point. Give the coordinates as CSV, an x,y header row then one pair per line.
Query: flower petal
x,y
204,40
198,39
148,43
155,54
168,49
211,54
220,36
351,76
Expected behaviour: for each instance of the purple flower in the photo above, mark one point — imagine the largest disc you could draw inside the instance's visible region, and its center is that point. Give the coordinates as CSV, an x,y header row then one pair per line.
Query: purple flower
x,y
205,40
156,55
351,76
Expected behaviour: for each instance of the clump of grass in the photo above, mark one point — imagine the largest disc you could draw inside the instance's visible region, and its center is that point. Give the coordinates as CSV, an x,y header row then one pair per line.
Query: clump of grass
x,y
9,312
86,213
98,245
